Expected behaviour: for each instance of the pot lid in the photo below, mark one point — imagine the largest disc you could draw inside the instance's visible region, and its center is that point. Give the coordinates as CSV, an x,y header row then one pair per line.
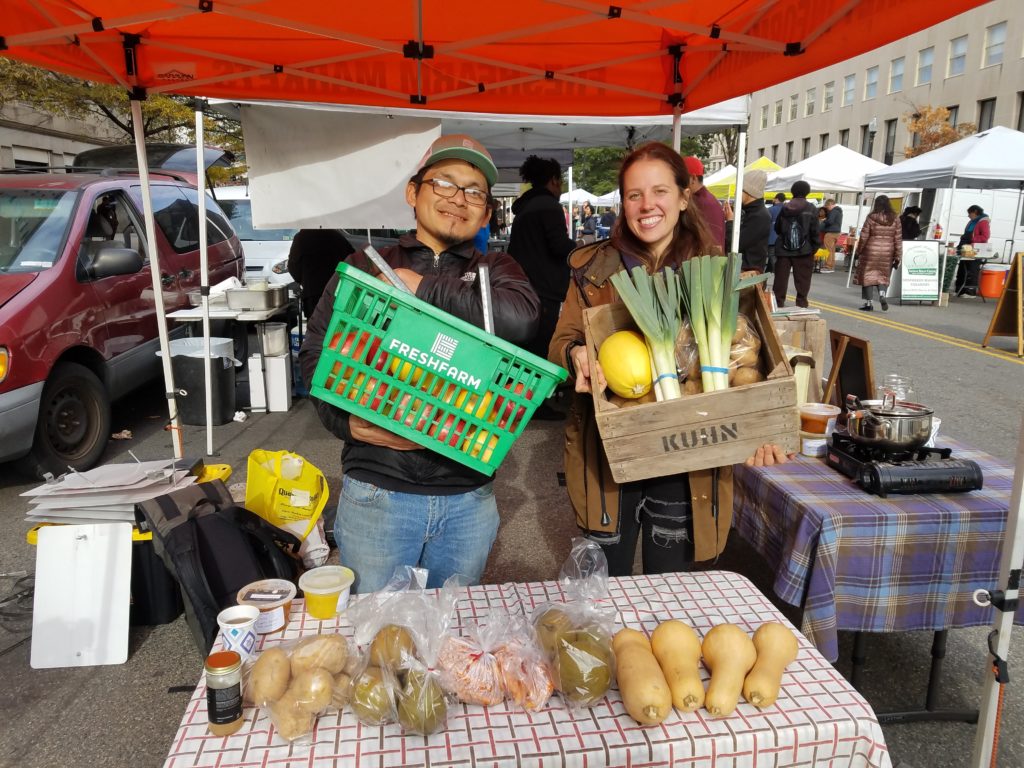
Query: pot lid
x,y
901,408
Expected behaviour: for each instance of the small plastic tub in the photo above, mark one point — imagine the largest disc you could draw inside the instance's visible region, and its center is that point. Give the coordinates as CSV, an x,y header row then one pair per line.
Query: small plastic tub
x,y
813,444
326,589
274,599
818,418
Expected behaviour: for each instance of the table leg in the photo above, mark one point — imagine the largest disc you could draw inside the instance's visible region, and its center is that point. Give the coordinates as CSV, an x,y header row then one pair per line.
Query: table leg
x,y
930,713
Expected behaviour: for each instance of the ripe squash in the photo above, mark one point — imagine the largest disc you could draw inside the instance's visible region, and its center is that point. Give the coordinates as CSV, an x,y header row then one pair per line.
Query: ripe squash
x,y
677,648
729,653
644,690
626,363
776,647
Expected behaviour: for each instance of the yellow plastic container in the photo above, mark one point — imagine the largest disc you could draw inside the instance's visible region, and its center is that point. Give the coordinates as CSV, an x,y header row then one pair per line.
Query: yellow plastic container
x,y
326,589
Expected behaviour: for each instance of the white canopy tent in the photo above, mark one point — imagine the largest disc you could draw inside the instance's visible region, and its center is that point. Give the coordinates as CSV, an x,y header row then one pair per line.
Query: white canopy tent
x,y
836,169
721,174
578,195
609,199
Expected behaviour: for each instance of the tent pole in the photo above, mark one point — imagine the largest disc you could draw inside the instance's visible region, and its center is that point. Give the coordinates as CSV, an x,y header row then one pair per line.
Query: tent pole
x,y
154,269
1002,624
572,213
946,232
1016,221
204,275
741,159
856,229
677,128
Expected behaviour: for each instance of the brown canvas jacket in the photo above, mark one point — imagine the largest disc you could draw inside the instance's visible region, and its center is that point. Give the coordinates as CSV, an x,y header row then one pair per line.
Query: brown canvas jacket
x,y
592,491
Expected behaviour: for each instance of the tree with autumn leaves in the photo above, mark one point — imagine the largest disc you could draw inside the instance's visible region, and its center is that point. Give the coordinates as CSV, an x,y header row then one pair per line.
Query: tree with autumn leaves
x,y
931,127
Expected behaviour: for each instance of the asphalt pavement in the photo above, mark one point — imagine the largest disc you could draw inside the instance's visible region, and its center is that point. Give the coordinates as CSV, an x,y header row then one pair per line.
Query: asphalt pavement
x,y
127,715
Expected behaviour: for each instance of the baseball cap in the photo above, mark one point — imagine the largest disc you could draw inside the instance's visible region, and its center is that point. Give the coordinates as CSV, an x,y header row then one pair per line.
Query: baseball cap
x,y
694,166
753,183
459,146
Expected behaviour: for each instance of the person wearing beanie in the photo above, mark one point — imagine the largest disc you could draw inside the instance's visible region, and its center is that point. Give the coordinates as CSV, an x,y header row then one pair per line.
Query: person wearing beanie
x,y
909,222
830,230
755,222
798,239
714,216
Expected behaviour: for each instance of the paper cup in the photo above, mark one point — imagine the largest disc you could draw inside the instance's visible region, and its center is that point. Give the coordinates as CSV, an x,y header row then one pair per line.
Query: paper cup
x,y
273,598
326,589
238,628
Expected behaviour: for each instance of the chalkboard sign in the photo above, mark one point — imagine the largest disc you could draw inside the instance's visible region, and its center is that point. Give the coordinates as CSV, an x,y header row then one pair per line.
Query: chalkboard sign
x,y
1008,319
852,370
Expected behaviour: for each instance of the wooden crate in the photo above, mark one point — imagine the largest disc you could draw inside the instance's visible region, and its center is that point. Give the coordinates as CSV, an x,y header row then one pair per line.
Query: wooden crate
x,y
697,431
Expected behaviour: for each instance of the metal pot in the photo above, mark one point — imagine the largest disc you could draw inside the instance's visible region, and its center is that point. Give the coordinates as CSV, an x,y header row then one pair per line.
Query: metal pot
x,y
888,424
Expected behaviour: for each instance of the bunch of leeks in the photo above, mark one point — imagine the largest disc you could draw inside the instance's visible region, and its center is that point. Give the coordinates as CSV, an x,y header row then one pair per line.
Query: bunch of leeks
x,y
654,303
711,288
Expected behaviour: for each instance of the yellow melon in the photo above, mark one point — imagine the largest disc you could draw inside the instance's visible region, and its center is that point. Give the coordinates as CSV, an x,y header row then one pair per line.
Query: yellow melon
x,y
626,364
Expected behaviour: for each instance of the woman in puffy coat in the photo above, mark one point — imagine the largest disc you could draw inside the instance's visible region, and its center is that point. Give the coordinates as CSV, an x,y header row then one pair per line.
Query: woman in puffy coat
x,y
879,251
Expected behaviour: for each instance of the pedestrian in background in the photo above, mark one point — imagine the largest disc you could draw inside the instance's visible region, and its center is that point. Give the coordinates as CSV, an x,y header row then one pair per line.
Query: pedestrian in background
x,y
773,211
755,222
879,250
714,216
312,259
831,230
797,228
588,223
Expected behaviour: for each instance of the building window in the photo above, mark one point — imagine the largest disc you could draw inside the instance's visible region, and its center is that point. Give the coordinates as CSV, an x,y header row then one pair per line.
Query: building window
x,y
957,56
1020,110
760,151
890,141
789,153
925,58
764,117
778,112
809,102
896,75
871,83
995,37
954,115
828,95
986,114
775,153
823,145
867,140
794,107
805,148
849,84
844,138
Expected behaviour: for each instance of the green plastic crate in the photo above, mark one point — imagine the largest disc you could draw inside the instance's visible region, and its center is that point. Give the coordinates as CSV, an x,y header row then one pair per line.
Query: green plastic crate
x,y
425,375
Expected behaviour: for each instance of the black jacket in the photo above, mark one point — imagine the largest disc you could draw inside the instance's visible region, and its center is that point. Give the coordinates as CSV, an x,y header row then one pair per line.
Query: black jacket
x,y
807,214
312,259
755,224
515,308
540,242
911,227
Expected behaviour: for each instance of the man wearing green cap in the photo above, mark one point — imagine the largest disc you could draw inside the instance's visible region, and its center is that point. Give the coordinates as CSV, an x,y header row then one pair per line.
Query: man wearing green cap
x,y
402,504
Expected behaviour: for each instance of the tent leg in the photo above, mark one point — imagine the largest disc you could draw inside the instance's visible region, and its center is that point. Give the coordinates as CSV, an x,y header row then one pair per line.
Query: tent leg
x,y
849,256
204,275
154,269
677,129
741,159
1002,625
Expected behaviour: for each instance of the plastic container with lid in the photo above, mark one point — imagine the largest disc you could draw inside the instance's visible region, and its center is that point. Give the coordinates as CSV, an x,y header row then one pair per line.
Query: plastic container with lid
x,y
818,418
274,599
326,589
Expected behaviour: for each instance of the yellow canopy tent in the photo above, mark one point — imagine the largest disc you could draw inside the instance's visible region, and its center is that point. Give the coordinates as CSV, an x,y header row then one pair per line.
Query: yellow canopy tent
x,y
726,187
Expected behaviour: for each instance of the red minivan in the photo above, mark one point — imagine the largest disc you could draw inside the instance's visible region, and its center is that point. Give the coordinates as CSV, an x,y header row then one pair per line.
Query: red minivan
x,y
78,324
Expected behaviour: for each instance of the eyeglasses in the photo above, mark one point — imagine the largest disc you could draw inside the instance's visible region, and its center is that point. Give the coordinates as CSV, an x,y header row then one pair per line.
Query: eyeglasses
x,y
474,195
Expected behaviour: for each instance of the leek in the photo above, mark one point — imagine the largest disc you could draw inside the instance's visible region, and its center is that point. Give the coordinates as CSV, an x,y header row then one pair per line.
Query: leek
x,y
653,302
711,287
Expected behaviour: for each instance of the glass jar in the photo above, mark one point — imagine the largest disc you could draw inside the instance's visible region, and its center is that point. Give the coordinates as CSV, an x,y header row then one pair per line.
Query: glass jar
x,y
224,692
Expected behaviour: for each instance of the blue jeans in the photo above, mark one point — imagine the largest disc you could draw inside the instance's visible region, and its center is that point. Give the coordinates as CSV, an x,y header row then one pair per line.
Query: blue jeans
x,y
377,530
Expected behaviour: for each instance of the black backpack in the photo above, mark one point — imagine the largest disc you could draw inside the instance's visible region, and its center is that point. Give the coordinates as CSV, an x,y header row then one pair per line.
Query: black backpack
x,y
213,547
794,234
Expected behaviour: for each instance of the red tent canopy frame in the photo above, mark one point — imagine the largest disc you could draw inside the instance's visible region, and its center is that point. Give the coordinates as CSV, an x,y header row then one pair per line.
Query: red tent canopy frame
x,y
562,57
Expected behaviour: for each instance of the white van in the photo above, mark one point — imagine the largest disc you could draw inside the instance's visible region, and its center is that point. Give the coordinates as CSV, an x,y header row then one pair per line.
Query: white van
x,y
266,250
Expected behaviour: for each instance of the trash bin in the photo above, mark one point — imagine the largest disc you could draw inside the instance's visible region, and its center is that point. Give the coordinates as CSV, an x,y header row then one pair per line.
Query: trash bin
x,y
190,379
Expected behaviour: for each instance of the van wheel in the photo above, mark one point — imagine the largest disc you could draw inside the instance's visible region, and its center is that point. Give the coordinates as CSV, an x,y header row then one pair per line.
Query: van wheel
x,y
74,422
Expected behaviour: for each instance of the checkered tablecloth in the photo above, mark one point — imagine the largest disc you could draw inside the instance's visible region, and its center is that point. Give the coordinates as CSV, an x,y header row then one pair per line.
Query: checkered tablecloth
x,y
818,720
859,562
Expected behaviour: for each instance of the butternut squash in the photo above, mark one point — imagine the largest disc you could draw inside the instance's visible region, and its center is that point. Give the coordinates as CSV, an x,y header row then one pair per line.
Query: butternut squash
x,y
677,648
643,687
776,648
729,653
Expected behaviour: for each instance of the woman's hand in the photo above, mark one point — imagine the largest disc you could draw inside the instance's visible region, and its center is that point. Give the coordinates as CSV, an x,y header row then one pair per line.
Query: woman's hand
x,y
768,455
365,432
585,378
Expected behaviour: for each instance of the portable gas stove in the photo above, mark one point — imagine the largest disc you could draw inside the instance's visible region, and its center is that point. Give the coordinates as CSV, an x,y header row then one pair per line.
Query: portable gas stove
x,y
925,470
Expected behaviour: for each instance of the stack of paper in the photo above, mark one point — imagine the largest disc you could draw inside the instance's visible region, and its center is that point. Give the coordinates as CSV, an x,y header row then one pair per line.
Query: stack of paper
x,y
106,494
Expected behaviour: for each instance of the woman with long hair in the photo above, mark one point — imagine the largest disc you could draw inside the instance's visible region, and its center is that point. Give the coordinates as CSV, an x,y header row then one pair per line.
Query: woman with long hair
x,y
683,517
879,250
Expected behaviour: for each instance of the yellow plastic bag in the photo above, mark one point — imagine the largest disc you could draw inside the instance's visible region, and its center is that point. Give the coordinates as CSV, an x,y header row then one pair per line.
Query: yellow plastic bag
x,y
821,254
285,490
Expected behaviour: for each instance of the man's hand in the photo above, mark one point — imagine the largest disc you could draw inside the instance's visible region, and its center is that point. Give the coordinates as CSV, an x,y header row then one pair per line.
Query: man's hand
x,y
410,278
581,362
768,455
727,210
365,432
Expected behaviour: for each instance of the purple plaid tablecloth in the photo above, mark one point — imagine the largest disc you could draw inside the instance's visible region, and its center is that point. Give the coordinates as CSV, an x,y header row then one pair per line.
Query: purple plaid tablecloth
x,y
859,562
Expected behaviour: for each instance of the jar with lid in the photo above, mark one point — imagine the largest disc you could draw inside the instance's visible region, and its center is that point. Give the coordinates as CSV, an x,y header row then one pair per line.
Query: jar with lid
x,y
224,692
